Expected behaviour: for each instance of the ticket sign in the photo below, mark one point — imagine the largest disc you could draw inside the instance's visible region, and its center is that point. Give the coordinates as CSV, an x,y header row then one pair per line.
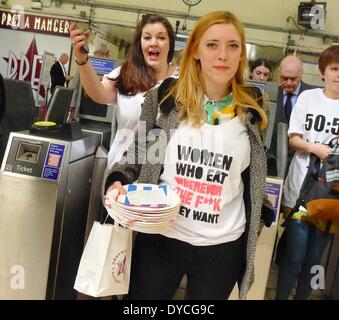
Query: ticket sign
x,y
53,162
274,188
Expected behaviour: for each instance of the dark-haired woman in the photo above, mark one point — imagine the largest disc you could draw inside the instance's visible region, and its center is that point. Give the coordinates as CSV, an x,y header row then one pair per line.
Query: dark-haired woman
x,y
146,65
261,70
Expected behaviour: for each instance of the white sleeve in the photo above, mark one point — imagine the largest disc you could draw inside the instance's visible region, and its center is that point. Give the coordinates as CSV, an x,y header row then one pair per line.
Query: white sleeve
x,y
297,120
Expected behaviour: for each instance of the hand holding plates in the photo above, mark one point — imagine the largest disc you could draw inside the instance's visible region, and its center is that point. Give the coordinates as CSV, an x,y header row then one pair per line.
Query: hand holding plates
x,y
147,208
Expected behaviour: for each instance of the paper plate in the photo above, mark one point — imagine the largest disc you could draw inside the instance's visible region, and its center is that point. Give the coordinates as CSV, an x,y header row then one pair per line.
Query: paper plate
x,y
144,208
172,198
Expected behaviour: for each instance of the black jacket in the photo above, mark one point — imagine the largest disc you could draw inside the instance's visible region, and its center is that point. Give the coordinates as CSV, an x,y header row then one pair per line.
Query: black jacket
x,y
57,76
281,117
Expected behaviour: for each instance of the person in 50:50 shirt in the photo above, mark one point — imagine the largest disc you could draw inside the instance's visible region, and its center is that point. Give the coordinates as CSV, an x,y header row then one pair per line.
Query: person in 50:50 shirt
x,y
314,123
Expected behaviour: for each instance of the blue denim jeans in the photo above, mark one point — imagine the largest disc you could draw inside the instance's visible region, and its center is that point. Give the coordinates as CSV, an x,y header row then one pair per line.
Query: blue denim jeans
x,y
305,245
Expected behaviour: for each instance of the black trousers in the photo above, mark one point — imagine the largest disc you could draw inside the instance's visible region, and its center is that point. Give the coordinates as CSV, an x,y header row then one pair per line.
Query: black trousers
x,y
159,263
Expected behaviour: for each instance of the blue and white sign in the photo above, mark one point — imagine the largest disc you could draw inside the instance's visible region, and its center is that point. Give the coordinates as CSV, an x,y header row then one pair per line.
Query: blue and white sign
x,y
53,162
102,65
273,189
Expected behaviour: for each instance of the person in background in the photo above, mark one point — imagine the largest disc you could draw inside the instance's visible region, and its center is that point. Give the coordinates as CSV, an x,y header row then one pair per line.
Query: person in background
x,y
205,113
101,50
306,239
146,65
290,75
261,70
58,73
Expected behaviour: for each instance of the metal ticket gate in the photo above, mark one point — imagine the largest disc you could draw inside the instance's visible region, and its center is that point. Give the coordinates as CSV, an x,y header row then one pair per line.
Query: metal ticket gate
x,y
44,193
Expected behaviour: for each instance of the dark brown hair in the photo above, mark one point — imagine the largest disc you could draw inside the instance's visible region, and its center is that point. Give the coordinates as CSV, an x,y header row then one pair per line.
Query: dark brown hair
x,y
135,75
329,55
261,62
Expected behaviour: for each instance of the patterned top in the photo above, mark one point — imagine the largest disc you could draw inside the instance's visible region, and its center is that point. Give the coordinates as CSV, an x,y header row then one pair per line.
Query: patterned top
x,y
219,111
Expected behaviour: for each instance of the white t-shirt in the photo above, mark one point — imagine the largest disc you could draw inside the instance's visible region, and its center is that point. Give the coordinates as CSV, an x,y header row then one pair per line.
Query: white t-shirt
x,y
128,110
316,118
204,165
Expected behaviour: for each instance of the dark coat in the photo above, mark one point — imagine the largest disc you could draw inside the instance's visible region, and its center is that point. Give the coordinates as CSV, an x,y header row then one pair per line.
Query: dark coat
x,y
281,117
57,76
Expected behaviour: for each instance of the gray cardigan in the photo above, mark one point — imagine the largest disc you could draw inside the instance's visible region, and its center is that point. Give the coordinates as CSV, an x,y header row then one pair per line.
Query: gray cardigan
x,y
253,177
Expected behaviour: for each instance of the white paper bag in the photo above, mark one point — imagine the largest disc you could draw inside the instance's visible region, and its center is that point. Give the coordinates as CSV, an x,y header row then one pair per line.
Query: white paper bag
x,y
104,268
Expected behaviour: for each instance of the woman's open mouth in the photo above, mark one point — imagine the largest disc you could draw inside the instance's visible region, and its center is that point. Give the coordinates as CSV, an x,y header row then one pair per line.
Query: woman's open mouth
x,y
153,55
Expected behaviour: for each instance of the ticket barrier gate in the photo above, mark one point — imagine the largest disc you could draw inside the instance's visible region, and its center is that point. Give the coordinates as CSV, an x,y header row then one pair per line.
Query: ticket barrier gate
x,y
44,194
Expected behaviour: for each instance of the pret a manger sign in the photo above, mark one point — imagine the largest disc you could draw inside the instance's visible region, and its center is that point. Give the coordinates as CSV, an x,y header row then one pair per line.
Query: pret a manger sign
x,y
33,23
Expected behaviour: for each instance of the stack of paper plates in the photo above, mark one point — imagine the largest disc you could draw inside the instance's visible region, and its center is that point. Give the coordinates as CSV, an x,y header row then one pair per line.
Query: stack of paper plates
x,y
145,208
